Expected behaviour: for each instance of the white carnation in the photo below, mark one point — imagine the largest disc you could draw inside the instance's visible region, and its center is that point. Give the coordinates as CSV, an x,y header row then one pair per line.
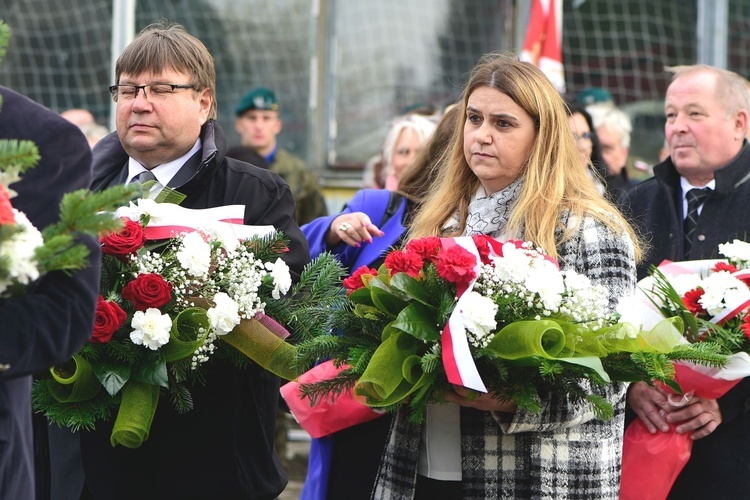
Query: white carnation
x,y
225,315
18,251
150,328
282,279
738,252
195,254
478,316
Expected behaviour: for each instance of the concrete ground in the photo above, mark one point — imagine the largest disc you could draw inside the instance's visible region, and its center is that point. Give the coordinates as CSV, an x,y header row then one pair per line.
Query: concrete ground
x,y
298,449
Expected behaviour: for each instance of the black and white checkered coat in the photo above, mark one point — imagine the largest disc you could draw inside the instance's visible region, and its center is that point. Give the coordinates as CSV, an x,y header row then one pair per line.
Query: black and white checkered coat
x,y
561,453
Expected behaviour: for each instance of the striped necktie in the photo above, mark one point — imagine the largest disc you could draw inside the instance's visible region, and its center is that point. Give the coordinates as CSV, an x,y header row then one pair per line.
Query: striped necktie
x,y
695,198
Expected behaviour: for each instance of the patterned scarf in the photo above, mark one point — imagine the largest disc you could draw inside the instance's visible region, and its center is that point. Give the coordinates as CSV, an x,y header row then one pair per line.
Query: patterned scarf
x,y
489,214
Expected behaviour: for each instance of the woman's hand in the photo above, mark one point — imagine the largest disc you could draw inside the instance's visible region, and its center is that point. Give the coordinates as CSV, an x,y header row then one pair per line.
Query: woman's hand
x,y
483,401
352,228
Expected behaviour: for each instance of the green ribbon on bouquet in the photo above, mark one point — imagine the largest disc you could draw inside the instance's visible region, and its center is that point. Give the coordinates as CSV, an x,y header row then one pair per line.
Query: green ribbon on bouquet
x,y
74,381
394,372
189,330
522,341
256,341
136,413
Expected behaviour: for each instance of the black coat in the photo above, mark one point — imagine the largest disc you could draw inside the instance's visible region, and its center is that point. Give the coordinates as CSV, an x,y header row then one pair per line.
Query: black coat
x,y
719,466
50,324
224,447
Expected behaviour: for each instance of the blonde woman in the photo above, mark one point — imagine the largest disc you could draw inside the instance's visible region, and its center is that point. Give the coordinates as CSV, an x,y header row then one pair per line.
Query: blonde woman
x,y
514,172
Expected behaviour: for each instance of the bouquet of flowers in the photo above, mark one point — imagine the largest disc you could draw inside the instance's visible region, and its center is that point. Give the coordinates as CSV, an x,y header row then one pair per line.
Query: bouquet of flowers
x,y
713,299
169,306
27,254
488,316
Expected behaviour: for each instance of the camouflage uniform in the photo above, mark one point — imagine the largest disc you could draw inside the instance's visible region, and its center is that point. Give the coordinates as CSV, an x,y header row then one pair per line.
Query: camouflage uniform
x,y
305,188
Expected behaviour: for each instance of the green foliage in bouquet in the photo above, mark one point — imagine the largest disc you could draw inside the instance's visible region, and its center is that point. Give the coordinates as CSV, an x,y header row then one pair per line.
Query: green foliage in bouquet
x,y
388,336
171,308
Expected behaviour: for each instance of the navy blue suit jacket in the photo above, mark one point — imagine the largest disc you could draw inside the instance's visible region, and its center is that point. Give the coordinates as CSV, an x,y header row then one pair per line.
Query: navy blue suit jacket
x,y
48,325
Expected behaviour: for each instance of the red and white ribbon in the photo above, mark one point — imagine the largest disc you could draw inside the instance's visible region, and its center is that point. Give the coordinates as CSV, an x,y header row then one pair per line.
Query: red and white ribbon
x,y
457,359
167,220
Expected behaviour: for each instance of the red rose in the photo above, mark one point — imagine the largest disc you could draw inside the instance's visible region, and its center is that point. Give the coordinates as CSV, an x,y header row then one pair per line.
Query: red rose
x,y
400,261
108,319
6,209
148,290
691,298
356,281
126,241
724,266
427,248
456,265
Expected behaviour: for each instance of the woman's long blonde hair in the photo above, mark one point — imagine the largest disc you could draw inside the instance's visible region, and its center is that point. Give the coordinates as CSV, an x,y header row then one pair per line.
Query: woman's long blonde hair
x,y
554,181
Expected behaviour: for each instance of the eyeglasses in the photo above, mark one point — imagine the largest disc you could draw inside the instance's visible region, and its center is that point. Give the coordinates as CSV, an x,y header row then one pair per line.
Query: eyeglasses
x,y
155,90
585,135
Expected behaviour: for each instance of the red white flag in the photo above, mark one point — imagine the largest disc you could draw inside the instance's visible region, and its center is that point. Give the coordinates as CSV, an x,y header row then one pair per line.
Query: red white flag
x,y
543,44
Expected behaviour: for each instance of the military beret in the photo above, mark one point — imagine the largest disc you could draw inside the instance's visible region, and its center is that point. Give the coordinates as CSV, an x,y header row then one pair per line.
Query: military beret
x,y
258,98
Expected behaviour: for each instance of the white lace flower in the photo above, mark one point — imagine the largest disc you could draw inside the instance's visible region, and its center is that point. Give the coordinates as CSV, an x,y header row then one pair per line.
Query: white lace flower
x,y
150,328
225,315
478,316
195,254
282,279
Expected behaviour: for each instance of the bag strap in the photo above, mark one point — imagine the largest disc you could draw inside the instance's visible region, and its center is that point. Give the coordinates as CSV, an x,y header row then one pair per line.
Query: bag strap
x,y
394,201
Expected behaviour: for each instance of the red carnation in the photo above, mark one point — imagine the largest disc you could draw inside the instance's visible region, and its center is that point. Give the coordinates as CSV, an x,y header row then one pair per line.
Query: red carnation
x,y
109,317
126,241
691,298
6,209
148,290
745,326
724,266
456,265
427,248
400,261
356,281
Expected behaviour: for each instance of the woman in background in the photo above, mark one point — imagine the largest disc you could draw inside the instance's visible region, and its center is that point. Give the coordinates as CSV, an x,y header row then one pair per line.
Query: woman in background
x,y
343,465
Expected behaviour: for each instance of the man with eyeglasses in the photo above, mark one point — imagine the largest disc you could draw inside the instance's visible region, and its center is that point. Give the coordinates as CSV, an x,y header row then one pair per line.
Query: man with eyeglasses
x,y
165,92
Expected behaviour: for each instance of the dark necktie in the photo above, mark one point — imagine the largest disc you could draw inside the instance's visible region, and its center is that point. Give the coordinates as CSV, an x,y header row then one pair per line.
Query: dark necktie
x,y
144,177
695,198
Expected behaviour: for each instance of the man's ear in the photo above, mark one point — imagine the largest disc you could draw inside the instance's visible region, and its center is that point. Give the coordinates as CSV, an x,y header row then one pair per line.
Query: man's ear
x,y
205,100
740,123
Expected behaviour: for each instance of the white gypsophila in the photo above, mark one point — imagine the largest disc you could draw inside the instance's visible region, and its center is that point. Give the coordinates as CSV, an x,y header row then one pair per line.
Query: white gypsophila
x,y
150,328
478,316
19,252
721,289
738,253
194,254
245,276
225,315
584,302
282,278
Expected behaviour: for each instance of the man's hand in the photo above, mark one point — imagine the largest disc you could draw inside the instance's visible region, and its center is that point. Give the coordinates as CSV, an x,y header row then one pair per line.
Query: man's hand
x,y
700,415
649,404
